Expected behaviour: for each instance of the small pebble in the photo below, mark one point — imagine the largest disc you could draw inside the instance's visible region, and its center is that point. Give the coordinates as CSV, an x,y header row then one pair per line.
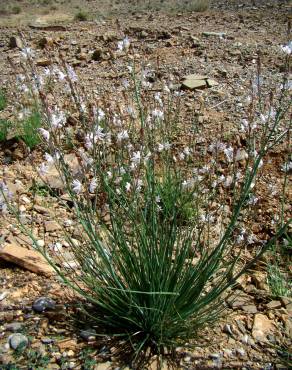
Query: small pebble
x,y
43,303
47,340
17,340
88,334
241,352
215,356
3,295
14,327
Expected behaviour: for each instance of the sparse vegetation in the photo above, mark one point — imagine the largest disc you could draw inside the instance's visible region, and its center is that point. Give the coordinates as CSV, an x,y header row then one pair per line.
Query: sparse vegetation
x,y
4,127
29,129
81,16
156,272
16,9
3,100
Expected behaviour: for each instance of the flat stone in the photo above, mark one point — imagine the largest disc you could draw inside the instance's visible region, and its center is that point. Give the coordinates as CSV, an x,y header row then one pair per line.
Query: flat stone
x,y
193,84
212,34
211,82
273,305
66,344
52,177
88,334
250,308
28,259
43,303
104,366
51,226
18,340
14,327
262,326
44,62
195,77
239,300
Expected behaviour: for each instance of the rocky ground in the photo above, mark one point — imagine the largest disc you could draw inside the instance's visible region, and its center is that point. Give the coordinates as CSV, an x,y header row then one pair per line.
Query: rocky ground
x,y
221,44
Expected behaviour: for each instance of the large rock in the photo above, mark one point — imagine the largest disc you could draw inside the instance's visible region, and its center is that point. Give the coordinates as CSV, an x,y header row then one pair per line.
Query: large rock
x,y
52,177
28,259
262,326
193,82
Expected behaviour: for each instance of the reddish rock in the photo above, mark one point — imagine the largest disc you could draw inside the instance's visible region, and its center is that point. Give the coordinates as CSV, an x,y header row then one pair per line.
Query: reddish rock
x,y
28,259
262,326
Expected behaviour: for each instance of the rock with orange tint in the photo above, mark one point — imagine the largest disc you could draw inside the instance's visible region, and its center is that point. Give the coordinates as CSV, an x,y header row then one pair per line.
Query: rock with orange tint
x,y
28,259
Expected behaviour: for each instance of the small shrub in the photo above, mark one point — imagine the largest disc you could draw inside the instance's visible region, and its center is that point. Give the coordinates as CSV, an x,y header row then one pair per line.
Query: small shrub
x,y
278,281
197,5
81,16
3,101
16,9
29,129
147,275
4,127
3,10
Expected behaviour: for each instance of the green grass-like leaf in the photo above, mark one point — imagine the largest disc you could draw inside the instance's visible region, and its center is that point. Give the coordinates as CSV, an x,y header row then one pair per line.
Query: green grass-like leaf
x,y
29,128
3,100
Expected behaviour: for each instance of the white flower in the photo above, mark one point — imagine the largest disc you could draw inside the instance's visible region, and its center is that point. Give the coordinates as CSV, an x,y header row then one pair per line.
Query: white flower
x,y
188,183
100,115
163,146
181,156
287,48
43,169
45,134
27,52
126,83
109,174
56,247
156,113
128,186
228,182
47,72
187,151
157,97
124,44
204,169
130,69
136,158
83,108
130,110
93,185
71,73
287,166
139,184
252,200
58,119
61,75
229,153
68,223
94,137
76,186
49,158
123,135
117,122
244,125
166,89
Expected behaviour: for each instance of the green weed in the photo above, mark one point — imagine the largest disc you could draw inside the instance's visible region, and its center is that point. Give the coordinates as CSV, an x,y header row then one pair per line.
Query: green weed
x,y
29,129
4,127
81,16
3,100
